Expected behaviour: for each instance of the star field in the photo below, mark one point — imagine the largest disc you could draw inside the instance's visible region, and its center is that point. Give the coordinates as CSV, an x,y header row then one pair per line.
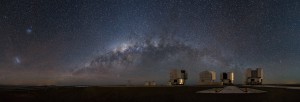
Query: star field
x,y
72,42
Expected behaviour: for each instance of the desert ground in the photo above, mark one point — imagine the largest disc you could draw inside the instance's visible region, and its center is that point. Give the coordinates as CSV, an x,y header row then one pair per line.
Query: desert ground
x,y
140,94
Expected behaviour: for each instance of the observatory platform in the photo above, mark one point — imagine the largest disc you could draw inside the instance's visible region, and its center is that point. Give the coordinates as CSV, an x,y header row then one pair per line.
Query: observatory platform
x,y
231,90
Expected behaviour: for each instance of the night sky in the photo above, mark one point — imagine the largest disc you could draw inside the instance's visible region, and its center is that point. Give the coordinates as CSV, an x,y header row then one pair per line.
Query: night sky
x,y
110,42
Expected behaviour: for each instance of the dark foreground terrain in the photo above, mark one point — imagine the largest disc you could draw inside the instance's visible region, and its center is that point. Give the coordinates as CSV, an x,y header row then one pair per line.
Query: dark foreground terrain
x,y
137,94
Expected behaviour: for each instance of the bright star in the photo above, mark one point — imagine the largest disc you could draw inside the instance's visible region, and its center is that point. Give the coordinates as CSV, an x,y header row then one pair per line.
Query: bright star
x,y
29,30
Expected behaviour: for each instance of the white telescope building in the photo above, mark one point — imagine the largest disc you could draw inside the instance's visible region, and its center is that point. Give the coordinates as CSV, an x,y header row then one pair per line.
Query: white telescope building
x,y
150,83
177,77
254,77
227,78
207,77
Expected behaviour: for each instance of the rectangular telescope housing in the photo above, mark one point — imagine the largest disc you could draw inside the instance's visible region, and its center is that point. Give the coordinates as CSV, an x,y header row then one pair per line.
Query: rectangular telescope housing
x,y
207,77
254,77
227,78
178,77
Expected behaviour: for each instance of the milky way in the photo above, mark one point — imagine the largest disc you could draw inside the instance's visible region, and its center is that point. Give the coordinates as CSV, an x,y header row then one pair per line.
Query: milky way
x,y
155,57
70,42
